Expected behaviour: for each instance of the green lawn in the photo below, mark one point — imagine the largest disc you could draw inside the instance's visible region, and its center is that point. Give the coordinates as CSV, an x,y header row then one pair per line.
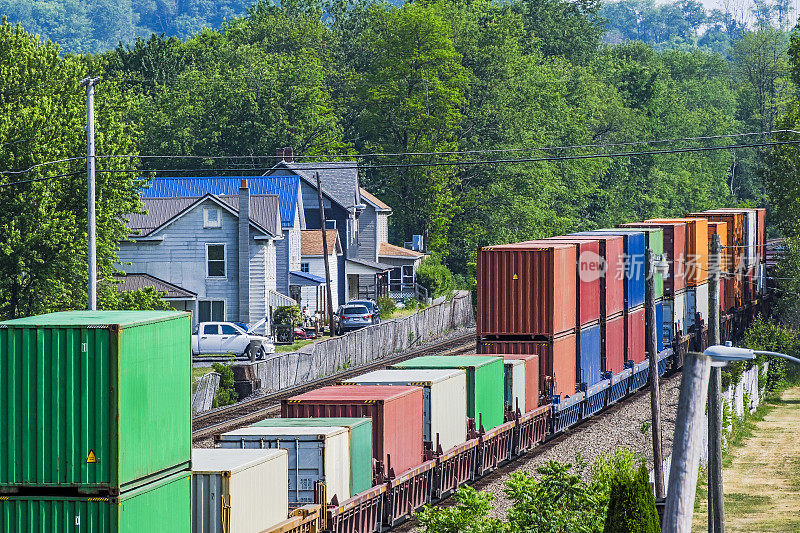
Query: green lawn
x,y
283,348
197,373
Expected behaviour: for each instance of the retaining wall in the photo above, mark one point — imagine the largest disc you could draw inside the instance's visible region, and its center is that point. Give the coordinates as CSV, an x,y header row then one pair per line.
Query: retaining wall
x,y
366,345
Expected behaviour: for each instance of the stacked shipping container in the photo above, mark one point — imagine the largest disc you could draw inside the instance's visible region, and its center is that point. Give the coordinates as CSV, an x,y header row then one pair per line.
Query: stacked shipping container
x,y
85,393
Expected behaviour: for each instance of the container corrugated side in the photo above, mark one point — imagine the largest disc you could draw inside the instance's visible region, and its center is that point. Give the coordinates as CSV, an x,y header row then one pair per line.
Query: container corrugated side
x,y
659,325
514,383
315,454
612,287
589,356
360,443
697,302
94,385
238,490
761,234
750,257
556,360
396,413
632,269
612,344
484,383
526,290
674,253
588,277
531,378
696,248
654,240
634,335
674,316
162,505
444,399
735,254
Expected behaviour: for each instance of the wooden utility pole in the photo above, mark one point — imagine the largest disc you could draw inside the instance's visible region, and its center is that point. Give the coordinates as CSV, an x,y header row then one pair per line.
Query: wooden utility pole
x,y
325,256
651,345
716,500
686,446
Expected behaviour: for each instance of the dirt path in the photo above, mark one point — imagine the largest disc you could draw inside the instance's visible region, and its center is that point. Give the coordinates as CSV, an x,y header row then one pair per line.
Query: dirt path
x,y
762,481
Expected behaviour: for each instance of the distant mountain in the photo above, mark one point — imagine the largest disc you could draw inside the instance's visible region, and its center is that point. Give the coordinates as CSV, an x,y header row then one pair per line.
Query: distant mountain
x,y
97,25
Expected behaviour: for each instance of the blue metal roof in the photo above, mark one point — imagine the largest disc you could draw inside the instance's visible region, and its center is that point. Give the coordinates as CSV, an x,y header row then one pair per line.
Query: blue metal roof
x,y
286,187
304,278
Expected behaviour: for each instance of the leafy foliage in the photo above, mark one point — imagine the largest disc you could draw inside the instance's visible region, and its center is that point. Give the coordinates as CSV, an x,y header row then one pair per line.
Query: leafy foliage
x,y
144,299
287,314
226,394
435,277
632,508
769,335
387,306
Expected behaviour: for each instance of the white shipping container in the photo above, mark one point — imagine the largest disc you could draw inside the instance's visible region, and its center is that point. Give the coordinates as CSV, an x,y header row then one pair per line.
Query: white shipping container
x,y
697,302
315,454
444,393
514,377
230,489
675,310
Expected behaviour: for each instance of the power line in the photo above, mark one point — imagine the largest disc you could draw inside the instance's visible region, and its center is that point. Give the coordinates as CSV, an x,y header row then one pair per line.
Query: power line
x,y
43,178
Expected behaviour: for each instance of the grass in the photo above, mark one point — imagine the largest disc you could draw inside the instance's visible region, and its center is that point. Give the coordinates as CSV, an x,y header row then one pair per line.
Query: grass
x,y
400,313
283,348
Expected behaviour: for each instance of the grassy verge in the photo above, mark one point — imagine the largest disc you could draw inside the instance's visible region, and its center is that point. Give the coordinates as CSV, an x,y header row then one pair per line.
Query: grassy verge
x,y
197,373
283,348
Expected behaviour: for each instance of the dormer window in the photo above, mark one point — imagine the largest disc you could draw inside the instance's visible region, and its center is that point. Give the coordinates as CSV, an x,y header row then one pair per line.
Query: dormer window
x,y
211,218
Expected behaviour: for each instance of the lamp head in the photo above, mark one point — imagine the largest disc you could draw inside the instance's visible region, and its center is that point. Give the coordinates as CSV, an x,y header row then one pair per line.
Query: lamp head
x,y
722,355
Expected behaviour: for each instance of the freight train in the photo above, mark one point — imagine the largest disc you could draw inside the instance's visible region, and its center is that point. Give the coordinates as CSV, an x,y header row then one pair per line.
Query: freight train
x,y
560,337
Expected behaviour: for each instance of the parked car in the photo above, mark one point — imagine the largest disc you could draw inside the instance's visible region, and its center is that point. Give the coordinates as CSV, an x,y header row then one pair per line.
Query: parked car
x,y
372,306
352,317
227,337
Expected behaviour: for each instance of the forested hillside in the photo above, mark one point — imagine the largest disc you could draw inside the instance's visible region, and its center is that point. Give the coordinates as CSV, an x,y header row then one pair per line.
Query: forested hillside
x,y
521,90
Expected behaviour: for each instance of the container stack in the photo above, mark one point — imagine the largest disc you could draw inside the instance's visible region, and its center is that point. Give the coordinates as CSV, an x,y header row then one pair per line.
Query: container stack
x,y
734,255
96,422
526,305
721,229
631,270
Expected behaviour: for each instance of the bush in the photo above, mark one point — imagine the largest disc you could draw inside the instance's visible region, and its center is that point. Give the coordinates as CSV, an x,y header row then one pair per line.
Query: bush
x,y
632,507
435,277
226,393
764,334
387,306
287,314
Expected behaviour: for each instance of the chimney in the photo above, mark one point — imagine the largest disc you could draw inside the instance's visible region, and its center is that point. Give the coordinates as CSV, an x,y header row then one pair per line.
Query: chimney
x,y
244,252
288,154
279,155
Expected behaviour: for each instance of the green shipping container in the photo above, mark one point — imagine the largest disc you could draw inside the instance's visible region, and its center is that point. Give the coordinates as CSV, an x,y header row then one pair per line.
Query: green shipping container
x,y
653,239
94,401
163,505
485,384
360,443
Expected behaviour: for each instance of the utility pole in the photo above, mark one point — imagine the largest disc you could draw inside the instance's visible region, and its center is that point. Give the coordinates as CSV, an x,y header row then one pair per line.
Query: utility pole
x,y
716,499
686,446
325,255
651,345
89,83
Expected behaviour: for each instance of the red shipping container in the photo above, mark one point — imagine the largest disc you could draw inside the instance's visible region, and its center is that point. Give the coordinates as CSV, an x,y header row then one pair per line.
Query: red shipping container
x,y
587,275
557,360
634,335
612,286
396,413
526,290
531,377
674,250
612,344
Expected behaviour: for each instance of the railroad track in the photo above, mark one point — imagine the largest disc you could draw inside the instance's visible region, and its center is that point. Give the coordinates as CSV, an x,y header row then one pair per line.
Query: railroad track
x,y
241,414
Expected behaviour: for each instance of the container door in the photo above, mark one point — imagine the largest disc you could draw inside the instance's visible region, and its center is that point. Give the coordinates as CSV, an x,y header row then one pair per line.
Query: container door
x,y
518,387
667,324
507,377
691,308
427,433
659,325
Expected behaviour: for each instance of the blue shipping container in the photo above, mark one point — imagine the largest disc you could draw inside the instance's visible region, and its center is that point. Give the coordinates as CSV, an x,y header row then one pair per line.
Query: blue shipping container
x,y
634,244
589,360
660,324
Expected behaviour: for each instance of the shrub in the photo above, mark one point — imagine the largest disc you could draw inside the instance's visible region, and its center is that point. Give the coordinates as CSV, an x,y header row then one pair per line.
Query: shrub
x,y
287,314
387,306
764,334
435,277
632,507
226,393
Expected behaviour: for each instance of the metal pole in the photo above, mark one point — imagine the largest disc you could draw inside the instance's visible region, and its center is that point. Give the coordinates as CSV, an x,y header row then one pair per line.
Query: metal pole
x,y
716,498
89,83
651,345
686,446
325,255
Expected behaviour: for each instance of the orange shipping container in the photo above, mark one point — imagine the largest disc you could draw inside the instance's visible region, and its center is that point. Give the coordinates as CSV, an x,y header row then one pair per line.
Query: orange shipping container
x,y
557,360
696,248
527,290
727,297
736,252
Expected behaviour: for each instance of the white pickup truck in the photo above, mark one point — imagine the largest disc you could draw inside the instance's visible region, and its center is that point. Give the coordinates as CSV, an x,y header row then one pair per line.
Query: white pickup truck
x,y
227,337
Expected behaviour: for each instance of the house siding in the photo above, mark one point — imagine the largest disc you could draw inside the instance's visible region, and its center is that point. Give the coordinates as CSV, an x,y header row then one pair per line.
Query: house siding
x,y
382,228
368,234
316,266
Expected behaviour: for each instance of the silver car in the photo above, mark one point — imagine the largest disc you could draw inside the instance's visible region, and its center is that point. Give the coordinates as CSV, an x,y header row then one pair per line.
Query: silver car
x,y
352,317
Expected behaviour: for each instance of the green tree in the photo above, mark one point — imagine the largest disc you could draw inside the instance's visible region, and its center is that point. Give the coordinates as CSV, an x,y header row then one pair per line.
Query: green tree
x,y
470,514
43,223
632,508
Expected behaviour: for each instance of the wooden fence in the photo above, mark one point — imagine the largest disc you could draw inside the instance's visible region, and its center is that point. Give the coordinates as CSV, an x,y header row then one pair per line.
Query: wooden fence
x,y
366,345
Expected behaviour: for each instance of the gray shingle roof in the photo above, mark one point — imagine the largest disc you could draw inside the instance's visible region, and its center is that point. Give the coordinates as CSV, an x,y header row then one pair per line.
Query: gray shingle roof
x,y
339,179
264,212
134,282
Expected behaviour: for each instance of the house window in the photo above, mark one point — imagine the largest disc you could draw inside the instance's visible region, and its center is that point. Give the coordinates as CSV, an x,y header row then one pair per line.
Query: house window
x,y
408,275
211,218
401,278
215,260
303,267
330,224
395,282
211,311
